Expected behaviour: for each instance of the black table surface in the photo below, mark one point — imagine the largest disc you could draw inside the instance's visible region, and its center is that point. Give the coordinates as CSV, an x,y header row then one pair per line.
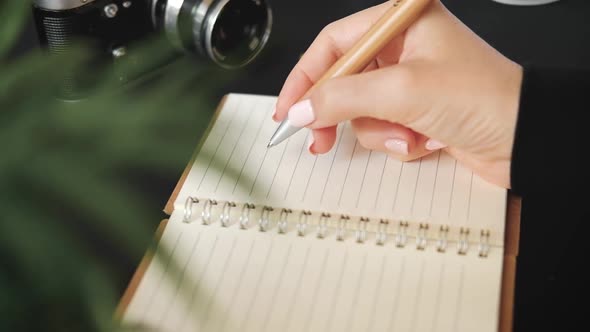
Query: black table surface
x,y
557,34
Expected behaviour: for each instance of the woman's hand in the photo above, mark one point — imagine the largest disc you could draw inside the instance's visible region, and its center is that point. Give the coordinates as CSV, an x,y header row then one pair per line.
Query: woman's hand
x,y
437,86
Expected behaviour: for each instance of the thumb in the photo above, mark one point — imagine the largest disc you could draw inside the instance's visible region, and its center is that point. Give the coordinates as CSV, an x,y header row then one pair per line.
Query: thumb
x,y
384,94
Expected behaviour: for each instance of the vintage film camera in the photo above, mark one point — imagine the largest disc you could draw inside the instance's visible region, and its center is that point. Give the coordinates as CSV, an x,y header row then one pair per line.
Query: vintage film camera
x,y
228,33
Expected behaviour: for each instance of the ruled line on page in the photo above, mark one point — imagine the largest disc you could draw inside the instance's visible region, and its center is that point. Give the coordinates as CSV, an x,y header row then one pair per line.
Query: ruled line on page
x,y
293,298
378,286
162,276
356,292
248,156
358,199
238,285
416,186
434,184
257,286
452,188
401,171
468,217
338,292
217,285
258,172
182,277
296,165
315,161
217,149
198,282
380,181
347,170
332,162
315,292
277,169
276,287
416,307
234,147
437,298
398,289
459,299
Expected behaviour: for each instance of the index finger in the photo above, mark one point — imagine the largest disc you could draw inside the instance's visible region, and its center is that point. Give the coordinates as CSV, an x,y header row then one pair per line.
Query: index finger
x,y
330,44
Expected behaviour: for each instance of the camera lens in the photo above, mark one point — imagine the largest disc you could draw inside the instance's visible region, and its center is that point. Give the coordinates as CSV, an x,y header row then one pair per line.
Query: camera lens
x,y
229,32
239,32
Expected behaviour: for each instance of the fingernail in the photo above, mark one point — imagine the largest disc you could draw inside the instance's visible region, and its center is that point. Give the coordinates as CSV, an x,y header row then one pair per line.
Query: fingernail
x,y
301,114
310,142
397,145
433,144
274,114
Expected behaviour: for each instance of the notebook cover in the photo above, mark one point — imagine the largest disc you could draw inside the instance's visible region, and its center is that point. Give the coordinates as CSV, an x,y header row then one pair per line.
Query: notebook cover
x,y
511,238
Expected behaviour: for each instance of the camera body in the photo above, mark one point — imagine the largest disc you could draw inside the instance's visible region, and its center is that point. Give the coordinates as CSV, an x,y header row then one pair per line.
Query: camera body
x,y
228,33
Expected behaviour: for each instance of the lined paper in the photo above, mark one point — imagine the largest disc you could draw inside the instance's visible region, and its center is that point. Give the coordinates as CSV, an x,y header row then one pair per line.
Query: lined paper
x,y
231,279
214,278
234,164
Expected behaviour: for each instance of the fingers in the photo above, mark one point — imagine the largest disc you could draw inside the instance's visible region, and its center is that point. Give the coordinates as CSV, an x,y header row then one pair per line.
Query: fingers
x,y
386,94
321,140
394,139
327,48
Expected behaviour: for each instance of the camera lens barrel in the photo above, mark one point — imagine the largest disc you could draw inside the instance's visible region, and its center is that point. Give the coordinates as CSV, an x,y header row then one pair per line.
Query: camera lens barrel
x,y
61,4
96,33
229,32
59,22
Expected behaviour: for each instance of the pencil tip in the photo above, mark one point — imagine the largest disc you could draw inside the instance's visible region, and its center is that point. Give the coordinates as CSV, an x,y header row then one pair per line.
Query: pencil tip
x,y
270,145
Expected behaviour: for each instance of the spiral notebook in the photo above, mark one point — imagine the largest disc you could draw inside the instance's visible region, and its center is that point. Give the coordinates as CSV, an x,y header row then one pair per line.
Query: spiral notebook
x,y
282,240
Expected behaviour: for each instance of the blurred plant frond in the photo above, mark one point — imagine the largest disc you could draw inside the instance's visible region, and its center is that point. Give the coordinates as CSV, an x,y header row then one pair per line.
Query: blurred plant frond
x,y
73,174
12,19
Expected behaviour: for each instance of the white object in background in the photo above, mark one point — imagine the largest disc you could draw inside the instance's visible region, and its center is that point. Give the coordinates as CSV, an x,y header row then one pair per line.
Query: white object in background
x,y
525,2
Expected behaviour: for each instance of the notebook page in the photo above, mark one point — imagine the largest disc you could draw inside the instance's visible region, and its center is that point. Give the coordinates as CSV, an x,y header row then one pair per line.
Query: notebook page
x,y
235,165
231,279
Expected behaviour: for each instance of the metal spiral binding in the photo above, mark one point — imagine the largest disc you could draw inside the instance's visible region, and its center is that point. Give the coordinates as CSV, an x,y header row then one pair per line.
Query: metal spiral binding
x,y
463,243
206,213
400,239
484,243
264,221
302,223
323,225
282,225
361,232
381,236
188,208
224,217
421,238
341,228
442,242
245,216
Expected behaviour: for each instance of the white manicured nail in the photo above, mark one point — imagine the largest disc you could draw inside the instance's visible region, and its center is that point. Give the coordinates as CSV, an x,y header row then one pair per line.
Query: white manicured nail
x,y
433,144
397,145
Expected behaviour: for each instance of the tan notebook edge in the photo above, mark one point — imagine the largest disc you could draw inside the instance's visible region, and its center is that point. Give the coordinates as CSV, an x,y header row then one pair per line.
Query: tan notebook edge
x,y
511,243
138,275
170,204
